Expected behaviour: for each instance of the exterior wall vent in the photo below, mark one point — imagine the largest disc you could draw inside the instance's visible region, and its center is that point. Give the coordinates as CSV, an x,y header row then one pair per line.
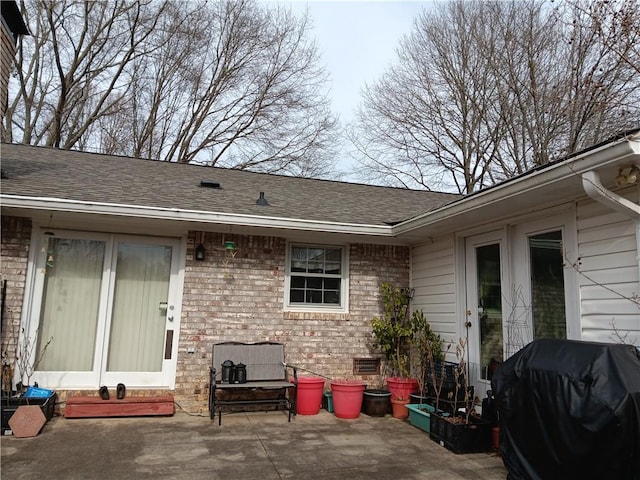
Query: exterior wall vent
x,y
366,366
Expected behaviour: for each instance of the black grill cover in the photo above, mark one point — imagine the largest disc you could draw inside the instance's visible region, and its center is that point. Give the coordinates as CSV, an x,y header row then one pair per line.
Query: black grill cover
x,y
570,410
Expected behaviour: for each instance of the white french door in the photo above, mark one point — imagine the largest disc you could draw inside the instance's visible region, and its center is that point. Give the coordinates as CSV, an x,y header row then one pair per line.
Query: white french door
x,y
543,283
104,310
485,281
520,286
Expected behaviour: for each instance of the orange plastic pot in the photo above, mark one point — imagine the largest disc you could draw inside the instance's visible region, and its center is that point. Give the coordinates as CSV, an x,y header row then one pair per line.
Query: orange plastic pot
x,y
399,408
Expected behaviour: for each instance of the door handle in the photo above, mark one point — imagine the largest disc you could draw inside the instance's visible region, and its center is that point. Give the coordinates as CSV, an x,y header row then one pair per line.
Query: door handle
x,y
168,345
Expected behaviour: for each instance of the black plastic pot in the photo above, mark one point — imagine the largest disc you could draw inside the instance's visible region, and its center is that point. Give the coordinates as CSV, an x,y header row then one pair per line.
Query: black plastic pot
x,y
376,403
417,398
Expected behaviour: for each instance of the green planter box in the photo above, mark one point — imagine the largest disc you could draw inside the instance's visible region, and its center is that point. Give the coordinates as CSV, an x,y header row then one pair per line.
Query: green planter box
x,y
327,402
420,415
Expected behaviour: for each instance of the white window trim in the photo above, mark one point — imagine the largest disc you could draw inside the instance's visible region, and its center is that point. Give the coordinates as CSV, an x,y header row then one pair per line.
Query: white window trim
x,y
344,284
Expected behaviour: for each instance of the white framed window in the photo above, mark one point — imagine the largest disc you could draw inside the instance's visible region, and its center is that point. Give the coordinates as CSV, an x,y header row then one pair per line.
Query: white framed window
x,y
317,278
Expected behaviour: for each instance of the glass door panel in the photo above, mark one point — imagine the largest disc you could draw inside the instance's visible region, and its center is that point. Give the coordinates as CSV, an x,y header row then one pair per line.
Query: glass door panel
x,y
141,291
489,297
547,285
70,303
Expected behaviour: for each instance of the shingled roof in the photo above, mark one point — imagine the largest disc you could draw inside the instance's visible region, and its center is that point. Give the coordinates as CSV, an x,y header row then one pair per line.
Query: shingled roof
x,y
88,177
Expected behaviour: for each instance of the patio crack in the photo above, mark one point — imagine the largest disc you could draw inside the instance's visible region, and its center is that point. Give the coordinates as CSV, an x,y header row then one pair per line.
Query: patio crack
x,y
264,447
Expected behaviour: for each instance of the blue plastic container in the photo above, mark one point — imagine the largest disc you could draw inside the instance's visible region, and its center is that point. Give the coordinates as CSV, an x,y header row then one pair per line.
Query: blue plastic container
x,y
35,392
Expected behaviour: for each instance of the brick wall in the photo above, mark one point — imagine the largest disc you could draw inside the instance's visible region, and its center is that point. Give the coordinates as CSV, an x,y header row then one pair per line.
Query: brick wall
x,y
241,299
13,260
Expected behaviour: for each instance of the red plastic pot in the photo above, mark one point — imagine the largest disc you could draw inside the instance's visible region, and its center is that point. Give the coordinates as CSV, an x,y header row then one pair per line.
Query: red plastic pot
x,y
347,397
309,395
402,387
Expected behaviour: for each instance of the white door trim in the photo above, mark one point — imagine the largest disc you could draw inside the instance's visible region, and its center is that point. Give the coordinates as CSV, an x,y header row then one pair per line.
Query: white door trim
x,y
93,379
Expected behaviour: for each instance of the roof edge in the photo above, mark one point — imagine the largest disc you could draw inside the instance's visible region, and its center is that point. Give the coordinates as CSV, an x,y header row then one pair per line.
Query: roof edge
x,y
196,216
589,159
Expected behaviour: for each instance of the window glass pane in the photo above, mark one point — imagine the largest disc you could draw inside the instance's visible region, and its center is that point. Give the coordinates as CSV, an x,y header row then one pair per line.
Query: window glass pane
x,y
332,268
333,255
314,296
298,259
71,296
547,285
296,296
315,255
332,297
316,267
332,283
316,260
490,305
299,267
314,283
297,282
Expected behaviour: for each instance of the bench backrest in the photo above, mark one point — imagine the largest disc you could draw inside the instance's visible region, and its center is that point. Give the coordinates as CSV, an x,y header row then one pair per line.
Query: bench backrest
x,y
264,361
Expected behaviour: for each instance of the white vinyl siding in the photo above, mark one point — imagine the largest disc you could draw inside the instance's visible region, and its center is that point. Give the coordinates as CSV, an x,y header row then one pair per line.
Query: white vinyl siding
x,y
608,269
433,278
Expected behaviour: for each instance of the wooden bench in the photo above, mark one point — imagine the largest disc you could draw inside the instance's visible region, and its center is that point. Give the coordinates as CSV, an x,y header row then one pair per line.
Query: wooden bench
x,y
267,383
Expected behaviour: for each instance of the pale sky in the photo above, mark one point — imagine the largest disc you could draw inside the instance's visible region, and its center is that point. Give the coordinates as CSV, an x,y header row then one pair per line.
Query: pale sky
x,y
357,41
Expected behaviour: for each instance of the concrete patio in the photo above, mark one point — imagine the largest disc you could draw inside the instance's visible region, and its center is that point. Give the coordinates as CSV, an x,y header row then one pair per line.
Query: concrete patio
x,y
260,445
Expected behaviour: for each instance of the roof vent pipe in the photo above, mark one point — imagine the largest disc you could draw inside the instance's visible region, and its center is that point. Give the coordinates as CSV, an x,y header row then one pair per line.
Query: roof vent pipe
x,y
262,201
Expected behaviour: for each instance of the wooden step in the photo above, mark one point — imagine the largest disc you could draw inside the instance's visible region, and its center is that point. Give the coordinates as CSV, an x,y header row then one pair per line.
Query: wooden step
x,y
88,407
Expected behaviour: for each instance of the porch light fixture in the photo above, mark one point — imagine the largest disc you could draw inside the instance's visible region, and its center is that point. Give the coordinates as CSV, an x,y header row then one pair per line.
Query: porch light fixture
x,y
262,201
200,252
628,175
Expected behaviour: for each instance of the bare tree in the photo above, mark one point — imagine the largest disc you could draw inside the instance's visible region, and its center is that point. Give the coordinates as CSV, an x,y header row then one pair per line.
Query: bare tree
x,y
561,88
486,90
431,120
227,83
604,85
525,68
616,23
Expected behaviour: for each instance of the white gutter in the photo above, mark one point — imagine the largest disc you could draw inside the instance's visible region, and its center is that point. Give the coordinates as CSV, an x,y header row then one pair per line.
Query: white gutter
x,y
176,214
556,172
594,188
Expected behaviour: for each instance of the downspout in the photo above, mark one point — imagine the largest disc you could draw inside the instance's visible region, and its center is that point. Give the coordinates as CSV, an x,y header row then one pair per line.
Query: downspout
x,y
594,188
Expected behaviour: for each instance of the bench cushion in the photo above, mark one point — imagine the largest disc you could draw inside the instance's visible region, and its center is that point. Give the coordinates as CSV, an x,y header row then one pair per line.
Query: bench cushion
x,y
264,361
